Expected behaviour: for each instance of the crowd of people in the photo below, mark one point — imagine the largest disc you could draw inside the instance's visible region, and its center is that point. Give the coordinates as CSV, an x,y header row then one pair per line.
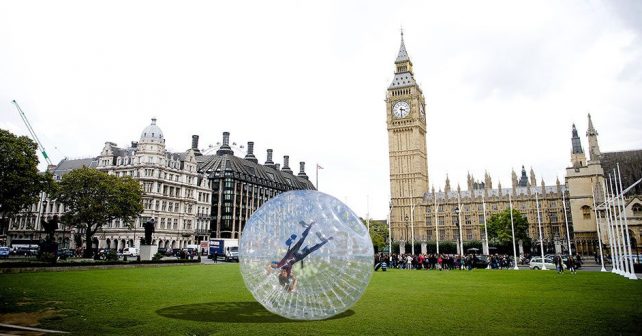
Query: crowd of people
x,y
440,262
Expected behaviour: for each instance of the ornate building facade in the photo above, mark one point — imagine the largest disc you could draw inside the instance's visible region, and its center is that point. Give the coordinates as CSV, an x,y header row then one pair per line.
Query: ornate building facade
x,y
192,197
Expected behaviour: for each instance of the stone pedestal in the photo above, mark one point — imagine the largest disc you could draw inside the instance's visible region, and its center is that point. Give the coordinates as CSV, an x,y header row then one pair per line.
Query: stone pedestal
x,y
424,248
148,251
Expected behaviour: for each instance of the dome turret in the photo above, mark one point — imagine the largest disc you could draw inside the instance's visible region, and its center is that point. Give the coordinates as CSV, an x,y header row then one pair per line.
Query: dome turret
x,y
152,132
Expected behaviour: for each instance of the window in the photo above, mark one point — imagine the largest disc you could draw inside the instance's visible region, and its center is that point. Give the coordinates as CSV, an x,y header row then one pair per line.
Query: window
x,y
586,212
637,209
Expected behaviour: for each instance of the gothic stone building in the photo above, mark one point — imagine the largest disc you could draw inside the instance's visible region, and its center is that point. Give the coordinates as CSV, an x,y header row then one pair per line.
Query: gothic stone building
x,y
420,215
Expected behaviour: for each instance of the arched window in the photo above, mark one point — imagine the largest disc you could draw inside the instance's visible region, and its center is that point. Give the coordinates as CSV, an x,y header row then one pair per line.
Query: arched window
x,y
586,212
637,209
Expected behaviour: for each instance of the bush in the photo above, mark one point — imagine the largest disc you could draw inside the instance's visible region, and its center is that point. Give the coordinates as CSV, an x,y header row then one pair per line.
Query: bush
x,y
111,255
158,256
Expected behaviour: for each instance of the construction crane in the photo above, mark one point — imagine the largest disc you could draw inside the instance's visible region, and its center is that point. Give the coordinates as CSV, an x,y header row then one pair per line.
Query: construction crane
x,y
33,133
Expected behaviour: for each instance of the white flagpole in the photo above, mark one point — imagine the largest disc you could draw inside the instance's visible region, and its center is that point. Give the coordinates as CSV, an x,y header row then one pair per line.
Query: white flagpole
x,y
512,226
539,226
461,236
597,225
616,230
390,233
317,177
568,232
612,243
618,213
627,241
436,223
486,250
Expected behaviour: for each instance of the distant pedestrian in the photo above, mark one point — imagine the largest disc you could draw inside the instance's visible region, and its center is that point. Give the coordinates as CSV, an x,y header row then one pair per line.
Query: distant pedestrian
x,y
570,264
559,265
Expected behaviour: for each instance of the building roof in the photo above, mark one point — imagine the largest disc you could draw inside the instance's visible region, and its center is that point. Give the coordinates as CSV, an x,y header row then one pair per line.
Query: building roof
x,y
218,166
66,165
630,167
519,191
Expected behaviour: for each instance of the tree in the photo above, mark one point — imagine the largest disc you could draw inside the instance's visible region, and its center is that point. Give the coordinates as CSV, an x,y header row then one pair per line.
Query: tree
x,y
94,198
378,233
20,181
499,228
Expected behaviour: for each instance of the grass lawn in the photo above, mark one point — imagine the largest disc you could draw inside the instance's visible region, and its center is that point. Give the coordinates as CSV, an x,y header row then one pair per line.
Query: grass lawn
x,y
212,299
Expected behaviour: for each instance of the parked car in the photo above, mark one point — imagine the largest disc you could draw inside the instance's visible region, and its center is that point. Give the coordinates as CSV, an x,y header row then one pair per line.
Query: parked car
x,y
4,252
130,251
65,253
536,263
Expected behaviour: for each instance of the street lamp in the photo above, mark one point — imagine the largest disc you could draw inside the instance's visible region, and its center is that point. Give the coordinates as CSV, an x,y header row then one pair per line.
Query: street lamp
x,y
461,237
539,226
406,236
389,234
412,226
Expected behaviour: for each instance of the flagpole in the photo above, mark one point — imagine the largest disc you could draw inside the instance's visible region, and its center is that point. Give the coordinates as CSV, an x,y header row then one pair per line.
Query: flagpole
x,y
627,242
568,232
436,222
486,252
317,177
612,242
390,233
616,230
597,225
512,226
539,226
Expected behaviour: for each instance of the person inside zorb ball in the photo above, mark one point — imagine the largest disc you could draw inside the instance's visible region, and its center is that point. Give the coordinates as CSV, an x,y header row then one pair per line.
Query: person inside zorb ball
x,y
305,255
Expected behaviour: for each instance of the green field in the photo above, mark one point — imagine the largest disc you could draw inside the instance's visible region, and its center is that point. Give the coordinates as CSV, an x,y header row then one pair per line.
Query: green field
x,y
211,299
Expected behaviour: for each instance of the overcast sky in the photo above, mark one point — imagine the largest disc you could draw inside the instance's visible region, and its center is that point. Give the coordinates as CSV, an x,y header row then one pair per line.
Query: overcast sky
x,y
503,81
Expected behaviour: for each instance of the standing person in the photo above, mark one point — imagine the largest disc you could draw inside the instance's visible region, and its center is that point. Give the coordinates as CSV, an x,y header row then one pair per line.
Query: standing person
x,y
409,261
559,264
570,264
440,262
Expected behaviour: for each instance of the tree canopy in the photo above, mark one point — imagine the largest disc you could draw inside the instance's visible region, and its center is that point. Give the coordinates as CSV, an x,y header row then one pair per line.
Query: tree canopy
x,y
94,198
378,233
499,227
20,181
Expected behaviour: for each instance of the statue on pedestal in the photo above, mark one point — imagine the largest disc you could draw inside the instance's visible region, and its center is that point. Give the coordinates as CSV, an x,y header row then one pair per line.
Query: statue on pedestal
x,y
149,229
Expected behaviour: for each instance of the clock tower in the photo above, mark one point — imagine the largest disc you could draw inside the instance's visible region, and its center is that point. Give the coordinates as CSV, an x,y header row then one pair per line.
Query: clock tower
x,y
406,120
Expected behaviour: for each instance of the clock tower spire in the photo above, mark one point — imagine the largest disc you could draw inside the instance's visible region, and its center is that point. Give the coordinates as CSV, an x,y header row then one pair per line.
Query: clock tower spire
x,y
407,152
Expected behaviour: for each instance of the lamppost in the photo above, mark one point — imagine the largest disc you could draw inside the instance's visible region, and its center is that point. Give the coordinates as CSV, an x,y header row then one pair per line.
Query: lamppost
x,y
539,225
461,237
389,234
412,226
406,236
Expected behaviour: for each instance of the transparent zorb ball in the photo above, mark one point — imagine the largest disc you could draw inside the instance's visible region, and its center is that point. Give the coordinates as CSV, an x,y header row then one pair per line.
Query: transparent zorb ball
x,y
305,255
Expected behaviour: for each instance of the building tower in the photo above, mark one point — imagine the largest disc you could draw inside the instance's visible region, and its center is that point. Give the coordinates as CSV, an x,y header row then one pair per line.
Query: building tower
x,y
406,120
594,147
583,178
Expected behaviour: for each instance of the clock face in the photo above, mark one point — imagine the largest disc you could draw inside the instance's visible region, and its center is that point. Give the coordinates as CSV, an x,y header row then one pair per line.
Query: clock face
x,y
400,109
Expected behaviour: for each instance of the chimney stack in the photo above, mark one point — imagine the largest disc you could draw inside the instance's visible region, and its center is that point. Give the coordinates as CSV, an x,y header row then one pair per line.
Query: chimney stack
x,y
250,152
269,162
286,164
195,145
302,170
225,147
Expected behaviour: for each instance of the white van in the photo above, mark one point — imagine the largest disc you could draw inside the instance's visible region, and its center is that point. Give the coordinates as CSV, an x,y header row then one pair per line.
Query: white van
x,y
131,252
